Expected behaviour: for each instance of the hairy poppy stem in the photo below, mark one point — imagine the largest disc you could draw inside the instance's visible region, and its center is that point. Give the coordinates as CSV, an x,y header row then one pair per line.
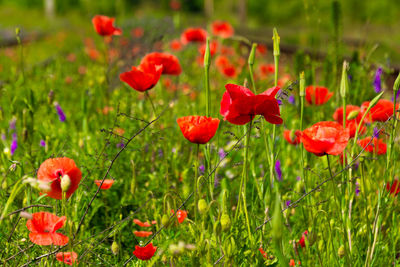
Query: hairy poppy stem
x,y
196,169
243,181
151,102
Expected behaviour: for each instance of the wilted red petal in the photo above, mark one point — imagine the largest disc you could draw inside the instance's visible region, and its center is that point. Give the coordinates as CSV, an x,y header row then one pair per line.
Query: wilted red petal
x,y
106,184
141,224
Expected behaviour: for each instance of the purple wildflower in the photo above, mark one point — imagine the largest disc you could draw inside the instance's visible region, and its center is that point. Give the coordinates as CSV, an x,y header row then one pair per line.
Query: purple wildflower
x,y
357,188
173,150
120,145
278,170
3,137
60,112
377,81
201,169
288,203
14,144
279,102
42,143
291,99
216,181
397,96
160,153
298,178
221,153
376,132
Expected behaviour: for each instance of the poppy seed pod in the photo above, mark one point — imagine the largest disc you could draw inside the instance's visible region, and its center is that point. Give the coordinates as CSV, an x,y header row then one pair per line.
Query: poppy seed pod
x,y
65,183
225,222
115,248
341,251
202,205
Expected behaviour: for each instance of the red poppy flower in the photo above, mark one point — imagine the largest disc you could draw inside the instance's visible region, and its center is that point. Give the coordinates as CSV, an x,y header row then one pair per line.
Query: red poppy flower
x,y
222,29
67,257
140,223
175,45
53,170
221,61
142,233
380,112
393,188
198,129
293,137
229,71
262,49
180,215
104,26
317,95
106,184
377,146
292,263
137,32
263,253
213,48
145,253
351,123
266,69
170,63
325,137
239,105
43,227
143,78
302,241
193,35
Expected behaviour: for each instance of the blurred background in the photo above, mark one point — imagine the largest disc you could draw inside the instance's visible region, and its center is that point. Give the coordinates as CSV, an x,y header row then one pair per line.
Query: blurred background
x,y
362,29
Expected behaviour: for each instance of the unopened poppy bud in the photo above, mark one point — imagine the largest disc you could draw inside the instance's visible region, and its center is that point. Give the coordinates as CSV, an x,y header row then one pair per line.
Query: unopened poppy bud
x,y
115,248
341,251
50,97
44,187
302,85
17,31
352,115
26,215
207,55
396,84
202,205
225,222
164,220
252,54
276,40
65,183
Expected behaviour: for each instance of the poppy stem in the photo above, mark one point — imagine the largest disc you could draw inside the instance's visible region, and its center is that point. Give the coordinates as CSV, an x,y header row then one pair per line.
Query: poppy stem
x,y
151,102
242,189
196,168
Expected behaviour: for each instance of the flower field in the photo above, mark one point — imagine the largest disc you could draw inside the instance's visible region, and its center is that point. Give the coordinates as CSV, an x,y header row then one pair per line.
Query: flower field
x,y
172,140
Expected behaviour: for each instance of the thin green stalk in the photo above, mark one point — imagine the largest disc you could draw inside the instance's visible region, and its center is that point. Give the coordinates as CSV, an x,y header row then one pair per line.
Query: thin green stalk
x,y
207,63
391,141
251,65
196,168
243,181
151,102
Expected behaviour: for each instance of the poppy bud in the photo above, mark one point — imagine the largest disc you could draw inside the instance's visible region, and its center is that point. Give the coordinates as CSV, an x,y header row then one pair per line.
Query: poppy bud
x,y
164,220
396,84
65,183
302,85
225,222
341,252
202,205
115,248
352,115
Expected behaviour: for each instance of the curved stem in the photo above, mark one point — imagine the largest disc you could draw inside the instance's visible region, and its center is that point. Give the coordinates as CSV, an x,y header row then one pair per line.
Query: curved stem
x,y
151,102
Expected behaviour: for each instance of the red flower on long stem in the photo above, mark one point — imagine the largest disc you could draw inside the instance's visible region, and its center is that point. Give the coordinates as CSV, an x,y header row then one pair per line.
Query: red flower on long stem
x,y
106,184
376,146
317,95
53,170
170,63
198,129
325,137
292,137
43,227
145,253
104,26
193,35
239,105
353,121
222,29
142,78
302,240
67,257
380,112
